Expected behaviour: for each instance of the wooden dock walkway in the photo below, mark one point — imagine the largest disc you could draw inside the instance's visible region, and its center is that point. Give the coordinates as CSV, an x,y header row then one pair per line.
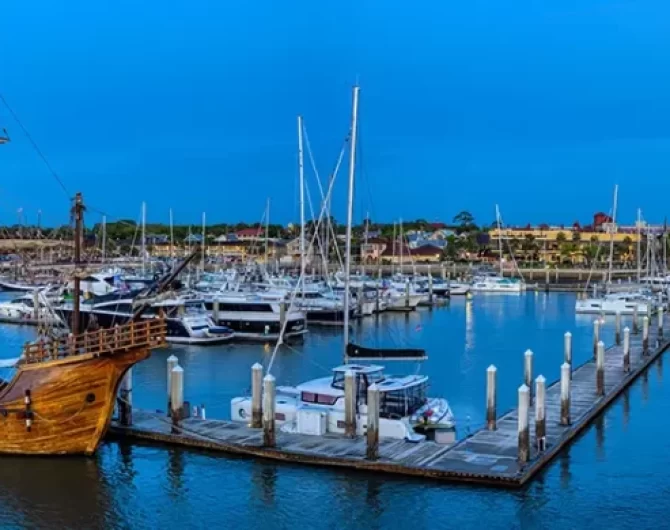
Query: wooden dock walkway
x,y
485,457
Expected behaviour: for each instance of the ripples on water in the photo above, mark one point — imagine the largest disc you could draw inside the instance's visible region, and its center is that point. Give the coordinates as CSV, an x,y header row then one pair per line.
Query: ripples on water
x,y
613,476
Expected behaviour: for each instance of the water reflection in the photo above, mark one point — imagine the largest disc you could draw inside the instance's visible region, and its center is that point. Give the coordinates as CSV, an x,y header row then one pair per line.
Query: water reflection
x,y
264,479
645,386
626,408
600,437
659,369
175,472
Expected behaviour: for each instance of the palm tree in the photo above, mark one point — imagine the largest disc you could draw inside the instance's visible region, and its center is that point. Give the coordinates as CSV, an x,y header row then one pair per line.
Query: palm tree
x,y
576,236
560,237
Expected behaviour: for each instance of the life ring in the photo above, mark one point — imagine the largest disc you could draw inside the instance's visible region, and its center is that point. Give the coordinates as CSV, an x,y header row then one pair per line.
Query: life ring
x,y
242,413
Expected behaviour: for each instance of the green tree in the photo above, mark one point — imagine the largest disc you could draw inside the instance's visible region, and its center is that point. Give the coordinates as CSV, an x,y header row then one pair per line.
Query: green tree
x,y
576,236
560,238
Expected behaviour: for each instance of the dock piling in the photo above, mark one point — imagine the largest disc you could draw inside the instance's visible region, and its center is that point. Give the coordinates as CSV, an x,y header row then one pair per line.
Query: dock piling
x,y
626,350
256,396
282,314
617,328
407,293
596,336
269,411
172,361
372,449
567,350
523,429
565,393
540,418
636,320
491,373
528,372
660,321
126,399
600,369
645,335
215,312
177,395
349,404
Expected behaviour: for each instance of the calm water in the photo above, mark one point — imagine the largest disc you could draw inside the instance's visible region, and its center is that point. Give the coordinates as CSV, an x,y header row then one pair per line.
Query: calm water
x,y
609,477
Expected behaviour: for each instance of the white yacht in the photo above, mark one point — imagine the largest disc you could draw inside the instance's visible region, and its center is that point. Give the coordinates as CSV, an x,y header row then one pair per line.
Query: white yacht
x,y
613,303
496,284
254,316
459,288
187,320
317,407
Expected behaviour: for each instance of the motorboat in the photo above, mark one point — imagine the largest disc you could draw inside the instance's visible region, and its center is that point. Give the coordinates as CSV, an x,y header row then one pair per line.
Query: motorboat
x,y
316,407
613,303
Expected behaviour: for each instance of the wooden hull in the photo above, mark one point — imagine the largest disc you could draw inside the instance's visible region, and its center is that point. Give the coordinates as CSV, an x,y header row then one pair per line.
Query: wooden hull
x,y
72,401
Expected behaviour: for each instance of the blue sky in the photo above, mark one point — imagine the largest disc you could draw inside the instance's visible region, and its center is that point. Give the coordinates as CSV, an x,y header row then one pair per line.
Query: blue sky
x,y
538,106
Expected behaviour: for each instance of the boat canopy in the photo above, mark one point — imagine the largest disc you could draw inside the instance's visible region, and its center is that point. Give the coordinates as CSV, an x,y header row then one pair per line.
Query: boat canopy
x,y
392,354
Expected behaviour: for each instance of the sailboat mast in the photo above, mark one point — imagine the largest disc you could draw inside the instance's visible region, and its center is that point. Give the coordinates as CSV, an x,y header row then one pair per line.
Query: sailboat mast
x,y
301,171
204,240
104,238
267,230
171,238
500,247
350,216
395,237
78,237
639,245
402,242
144,238
612,230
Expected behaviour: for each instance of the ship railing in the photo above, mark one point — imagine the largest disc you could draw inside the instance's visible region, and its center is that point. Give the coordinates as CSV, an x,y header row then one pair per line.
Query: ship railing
x,y
148,333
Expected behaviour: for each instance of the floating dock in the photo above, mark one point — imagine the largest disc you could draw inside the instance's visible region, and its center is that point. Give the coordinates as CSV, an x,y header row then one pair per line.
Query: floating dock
x,y
487,457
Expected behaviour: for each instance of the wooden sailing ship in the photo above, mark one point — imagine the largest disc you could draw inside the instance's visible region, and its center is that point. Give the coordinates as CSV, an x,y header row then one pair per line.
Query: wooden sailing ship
x,y
62,396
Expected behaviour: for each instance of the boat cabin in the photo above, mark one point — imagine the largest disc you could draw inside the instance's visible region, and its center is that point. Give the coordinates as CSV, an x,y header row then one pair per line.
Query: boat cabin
x,y
398,396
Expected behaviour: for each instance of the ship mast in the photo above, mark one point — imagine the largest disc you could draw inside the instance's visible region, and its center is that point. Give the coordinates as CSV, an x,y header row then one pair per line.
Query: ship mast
x,y
78,212
350,216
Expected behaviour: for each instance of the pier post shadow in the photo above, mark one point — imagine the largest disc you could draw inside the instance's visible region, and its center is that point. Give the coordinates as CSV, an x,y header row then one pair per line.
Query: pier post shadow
x,y
175,471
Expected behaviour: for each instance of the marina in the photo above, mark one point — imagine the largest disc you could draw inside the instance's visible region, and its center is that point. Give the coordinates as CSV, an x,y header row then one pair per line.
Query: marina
x,y
351,267
490,456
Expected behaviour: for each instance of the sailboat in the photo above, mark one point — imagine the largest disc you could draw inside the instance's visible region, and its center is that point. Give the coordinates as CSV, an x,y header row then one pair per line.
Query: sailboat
x,y
491,282
62,394
625,302
317,407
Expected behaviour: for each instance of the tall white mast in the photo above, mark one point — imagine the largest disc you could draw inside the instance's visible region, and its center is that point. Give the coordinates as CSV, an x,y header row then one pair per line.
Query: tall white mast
x,y
204,241
104,238
402,242
500,247
144,238
301,170
612,231
350,216
395,237
639,245
171,239
267,232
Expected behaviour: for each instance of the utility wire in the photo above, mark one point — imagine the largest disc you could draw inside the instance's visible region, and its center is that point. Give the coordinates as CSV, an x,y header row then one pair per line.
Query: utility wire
x,y
36,147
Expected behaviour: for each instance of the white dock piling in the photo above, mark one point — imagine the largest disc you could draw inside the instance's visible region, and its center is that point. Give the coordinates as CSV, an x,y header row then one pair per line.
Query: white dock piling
x,y
177,395
528,372
172,361
430,288
269,411
372,449
523,429
256,396
660,322
636,320
645,335
617,328
596,336
349,404
540,419
491,373
600,369
565,393
567,350
626,350
126,399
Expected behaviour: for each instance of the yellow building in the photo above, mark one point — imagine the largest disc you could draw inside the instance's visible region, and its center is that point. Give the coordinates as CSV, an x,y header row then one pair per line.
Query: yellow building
x,y
564,245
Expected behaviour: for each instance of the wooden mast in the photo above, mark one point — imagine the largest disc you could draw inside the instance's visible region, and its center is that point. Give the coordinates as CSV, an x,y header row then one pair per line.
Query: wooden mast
x,y
78,212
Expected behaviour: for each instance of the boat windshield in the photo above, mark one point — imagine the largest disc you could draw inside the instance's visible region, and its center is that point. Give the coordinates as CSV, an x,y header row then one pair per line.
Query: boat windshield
x,y
363,380
404,402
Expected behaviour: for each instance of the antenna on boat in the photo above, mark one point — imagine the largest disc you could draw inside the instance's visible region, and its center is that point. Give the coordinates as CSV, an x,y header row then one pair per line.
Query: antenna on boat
x,y
350,215
78,212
